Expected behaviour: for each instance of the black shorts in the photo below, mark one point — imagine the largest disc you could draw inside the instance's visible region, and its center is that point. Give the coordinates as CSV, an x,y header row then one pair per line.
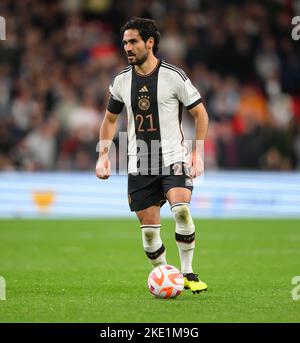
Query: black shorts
x,y
148,190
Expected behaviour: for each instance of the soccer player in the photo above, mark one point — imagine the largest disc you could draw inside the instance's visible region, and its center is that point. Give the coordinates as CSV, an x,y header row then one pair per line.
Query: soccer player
x,y
160,166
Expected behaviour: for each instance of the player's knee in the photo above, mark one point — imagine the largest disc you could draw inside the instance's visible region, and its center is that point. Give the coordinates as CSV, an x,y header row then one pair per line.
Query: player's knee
x,y
148,220
182,214
149,217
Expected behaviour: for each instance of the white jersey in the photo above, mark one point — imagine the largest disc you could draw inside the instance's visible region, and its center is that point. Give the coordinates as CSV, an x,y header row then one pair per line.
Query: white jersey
x,y
154,104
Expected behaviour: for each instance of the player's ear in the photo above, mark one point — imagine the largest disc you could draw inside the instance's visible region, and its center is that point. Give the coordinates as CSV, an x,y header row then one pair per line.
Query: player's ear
x,y
150,43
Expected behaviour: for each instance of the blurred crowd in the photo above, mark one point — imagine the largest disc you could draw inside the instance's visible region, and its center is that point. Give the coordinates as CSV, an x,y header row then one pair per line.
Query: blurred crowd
x,y
59,58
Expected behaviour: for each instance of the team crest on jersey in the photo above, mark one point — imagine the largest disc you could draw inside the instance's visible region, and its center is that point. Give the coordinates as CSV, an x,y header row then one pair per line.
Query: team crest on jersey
x,y
144,103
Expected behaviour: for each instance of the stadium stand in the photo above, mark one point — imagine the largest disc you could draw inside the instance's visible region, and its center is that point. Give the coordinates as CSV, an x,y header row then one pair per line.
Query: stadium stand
x,y
60,56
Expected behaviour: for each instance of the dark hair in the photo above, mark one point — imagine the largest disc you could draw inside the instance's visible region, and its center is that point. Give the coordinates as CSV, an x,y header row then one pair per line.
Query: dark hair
x,y
146,27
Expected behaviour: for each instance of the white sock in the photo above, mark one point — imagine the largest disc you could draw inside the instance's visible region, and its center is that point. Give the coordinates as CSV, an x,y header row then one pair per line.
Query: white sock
x,y
185,235
186,259
153,245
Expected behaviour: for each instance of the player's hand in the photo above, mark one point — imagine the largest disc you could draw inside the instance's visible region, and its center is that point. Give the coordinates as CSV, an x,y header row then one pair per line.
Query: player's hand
x,y
103,168
197,167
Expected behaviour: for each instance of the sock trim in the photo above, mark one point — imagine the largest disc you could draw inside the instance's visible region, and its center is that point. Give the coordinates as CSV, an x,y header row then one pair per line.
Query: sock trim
x,y
185,238
154,226
179,204
154,255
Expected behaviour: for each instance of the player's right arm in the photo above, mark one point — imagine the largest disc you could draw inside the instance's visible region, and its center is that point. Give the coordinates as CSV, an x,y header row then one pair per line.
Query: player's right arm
x,y
108,129
106,135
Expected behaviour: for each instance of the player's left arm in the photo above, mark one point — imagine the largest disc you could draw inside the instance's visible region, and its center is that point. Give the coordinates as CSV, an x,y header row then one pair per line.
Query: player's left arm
x,y
201,126
189,96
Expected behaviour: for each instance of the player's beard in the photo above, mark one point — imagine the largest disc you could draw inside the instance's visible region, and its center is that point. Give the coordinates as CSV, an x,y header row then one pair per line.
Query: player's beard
x,y
139,60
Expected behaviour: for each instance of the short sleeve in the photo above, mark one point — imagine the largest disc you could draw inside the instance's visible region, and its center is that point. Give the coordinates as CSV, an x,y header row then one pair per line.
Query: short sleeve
x,y
115,89
188,94
116,103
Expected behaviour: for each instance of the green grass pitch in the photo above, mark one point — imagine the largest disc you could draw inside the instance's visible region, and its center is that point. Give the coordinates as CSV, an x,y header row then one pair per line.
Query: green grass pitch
x,y
96,271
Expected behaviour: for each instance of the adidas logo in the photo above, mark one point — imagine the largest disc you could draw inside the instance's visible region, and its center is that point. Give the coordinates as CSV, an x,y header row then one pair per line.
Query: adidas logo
x,y
143,89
